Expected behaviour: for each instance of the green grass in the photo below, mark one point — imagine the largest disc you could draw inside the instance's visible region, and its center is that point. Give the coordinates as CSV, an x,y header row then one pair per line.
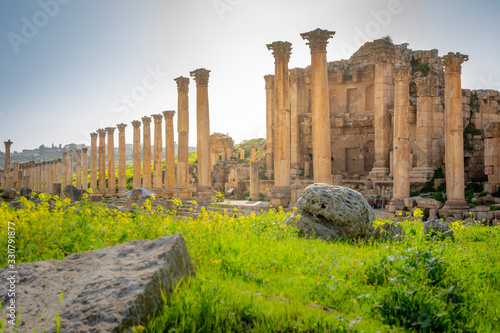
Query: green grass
x,y
253,274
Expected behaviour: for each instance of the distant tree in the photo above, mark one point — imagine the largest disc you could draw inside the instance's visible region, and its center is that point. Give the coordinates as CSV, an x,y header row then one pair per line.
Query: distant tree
x,y
41,149
60,146
53,145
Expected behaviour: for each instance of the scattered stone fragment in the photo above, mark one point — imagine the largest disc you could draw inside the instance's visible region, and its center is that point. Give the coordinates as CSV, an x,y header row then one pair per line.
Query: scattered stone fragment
x,y
437,227
26,192
9,194
392,230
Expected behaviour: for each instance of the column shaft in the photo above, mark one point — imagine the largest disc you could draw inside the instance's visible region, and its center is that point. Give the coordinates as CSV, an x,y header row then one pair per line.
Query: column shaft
x,y
158,155
183,188
102,160
85,176
146,153
122,152
111,161
136,182
93,161
169,153
78,168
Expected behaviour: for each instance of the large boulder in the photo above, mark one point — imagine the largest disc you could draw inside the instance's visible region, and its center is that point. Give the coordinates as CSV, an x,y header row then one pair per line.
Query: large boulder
x,y
331,212
26,192
56,189
9,194
75,194
107,290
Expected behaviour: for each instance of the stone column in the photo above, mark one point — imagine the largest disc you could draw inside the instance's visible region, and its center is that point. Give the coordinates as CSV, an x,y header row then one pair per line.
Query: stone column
x,y
122,157
78,168
136,182
42,176
59,171
111,161
296,85
401,168
269,123
102,160
254,181
383,57
158,155
242,151
205,191
322,158
280,195
428,104
183,188
70,168
64,169
93,161
169,185
146,153
6,172
454,129
15,176
253,154
85,166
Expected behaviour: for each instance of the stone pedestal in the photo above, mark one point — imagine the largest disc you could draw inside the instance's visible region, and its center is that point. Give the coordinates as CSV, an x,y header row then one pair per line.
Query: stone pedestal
x,y
93,162
146,153
280,195
205,190
254,181
111,162
136,182
102,161
169,183
453,129
383,57
183,189
322,164
122,158
401,168
78,168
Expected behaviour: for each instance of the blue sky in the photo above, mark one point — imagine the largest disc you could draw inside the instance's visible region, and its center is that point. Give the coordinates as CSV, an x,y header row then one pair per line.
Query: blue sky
x,y
69,67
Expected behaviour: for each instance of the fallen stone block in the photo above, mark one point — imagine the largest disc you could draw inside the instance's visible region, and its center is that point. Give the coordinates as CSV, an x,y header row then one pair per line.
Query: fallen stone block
x,y
429,203
9,194
106,290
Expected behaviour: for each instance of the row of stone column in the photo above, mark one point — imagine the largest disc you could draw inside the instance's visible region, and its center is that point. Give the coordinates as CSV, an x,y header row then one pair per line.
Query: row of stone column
x,y
40,176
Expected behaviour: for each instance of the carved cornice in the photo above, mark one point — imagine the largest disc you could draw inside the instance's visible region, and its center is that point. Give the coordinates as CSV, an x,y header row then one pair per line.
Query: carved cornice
x,y
269,81
201,76
101,132
93,136
402,73
453,62
121,127
384,53
136,124
146,121
427,86
317,39
182,84
110,130
281,50
169,115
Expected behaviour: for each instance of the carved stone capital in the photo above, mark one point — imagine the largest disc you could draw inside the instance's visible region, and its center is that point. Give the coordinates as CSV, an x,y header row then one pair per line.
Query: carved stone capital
x,y
317,39
136,124
269,81
427,86
110,130
84,150
453,62
182,84
93,136
78,152
297,75
8,144
281,50
384,53
157,119
121,127
201,76
169,115
101,132
65,154
146,121
402,73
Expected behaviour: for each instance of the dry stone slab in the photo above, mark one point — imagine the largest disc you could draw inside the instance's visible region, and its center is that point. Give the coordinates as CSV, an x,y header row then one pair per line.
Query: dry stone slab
x,y
106,290
411,202
429,203
331,212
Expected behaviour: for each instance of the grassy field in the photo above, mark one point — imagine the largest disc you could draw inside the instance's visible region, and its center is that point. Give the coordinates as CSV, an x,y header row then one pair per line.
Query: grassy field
x,y
253,274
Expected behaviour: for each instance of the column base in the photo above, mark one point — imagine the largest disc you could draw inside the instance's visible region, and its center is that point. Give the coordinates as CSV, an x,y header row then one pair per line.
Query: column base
x,y
379,173
281,196
456,204
121,191
255,197
205,195
158,191
395,205
183,192
421,174
168,192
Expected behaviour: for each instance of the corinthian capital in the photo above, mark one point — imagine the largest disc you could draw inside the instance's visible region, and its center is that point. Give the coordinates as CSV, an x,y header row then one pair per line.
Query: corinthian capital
x,y
182,84
402,73
317,39
136,124
201,76
281,50
453,62
168,114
